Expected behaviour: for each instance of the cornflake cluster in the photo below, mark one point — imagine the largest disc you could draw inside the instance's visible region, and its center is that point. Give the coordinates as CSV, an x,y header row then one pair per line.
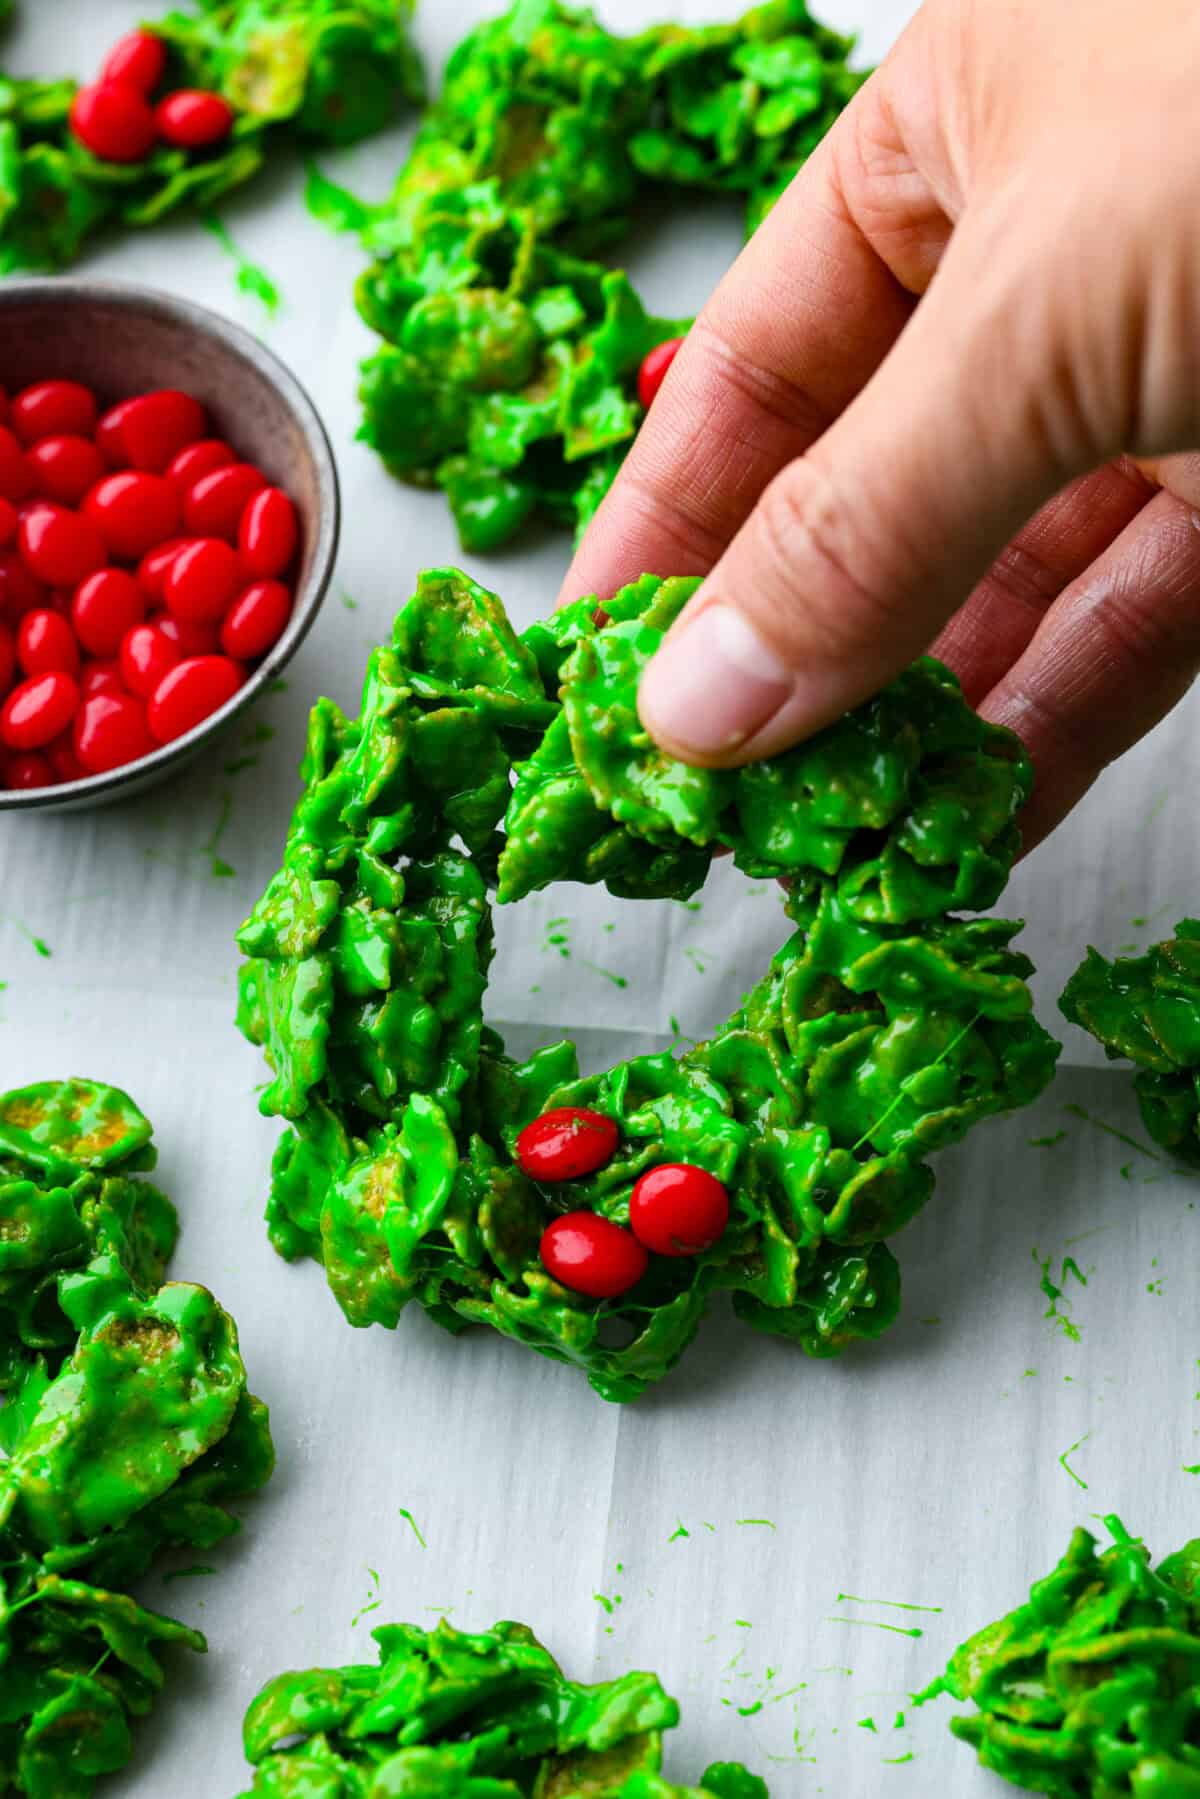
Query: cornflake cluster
x,y
884,1028
322,71
1147,1009
126,1428
452,1715
509,373
1089,1690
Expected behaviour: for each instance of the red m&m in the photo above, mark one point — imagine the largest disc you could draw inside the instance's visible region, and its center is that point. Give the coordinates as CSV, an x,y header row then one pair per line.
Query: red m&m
x,y
677,1209
566,1143
590,1254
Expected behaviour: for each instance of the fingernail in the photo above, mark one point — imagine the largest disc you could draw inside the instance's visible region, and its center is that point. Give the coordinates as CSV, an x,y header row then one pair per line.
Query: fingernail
x,y
713,685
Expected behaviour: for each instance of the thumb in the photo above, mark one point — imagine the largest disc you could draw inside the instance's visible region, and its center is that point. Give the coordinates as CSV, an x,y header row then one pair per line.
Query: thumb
x,y
860,550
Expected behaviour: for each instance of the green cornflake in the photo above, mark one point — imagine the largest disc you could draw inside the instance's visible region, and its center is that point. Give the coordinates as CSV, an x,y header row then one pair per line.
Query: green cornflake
x,y
1066,1466
449,1714
882,1030
1146,1009
126,1429
416,1529
1090,1687
307,71
251,280
508,370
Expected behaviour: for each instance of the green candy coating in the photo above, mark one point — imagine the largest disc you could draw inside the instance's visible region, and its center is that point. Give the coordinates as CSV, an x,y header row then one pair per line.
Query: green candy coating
x,y
1090,1690
508,374
317,71
1146,1009
126,1428
883,1029
449,1714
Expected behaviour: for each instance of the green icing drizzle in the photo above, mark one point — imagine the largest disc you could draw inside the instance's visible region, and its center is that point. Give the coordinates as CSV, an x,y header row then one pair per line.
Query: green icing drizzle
x,y
1089,1690
452,1715
126,1429
882,1030
1146,1010
324,71
508,373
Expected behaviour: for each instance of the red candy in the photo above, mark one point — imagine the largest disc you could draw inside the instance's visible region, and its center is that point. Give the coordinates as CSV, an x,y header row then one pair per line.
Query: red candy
x,y
256,620
678,1209
46,642
114,122
66,467
192,690
191,636
38,710
16,476
156,427
214,506
106,606
197,460
64,761
653,371
53,409
268,534
202,581
133,511
22,773
147,657
111,730
566,1143
194,119
19,590
8,521
61,547
110,435
8,659
138,60
590,1254
101,676
155,566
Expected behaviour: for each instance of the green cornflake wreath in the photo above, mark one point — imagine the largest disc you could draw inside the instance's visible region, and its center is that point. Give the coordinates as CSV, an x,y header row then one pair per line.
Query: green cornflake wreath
x,y
452,1715
1090,1690
314,71
508,377
883,1029
1147,1010
126,1428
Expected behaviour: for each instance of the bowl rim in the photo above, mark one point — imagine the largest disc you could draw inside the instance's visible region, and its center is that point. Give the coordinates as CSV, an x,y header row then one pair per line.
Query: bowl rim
x,y
137,298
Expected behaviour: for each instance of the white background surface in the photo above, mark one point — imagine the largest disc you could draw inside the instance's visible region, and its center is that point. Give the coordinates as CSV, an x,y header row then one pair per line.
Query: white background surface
x,y
923,1470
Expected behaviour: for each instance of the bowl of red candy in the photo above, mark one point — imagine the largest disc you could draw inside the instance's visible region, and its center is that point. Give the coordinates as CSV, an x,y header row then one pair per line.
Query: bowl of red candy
x,y
169,519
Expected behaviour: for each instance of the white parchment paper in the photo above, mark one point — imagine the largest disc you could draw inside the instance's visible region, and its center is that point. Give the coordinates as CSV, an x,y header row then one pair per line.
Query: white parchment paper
x,y
752,1527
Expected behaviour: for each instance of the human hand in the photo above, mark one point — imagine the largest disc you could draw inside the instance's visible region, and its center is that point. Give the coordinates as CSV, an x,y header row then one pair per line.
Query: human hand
x,y
868,461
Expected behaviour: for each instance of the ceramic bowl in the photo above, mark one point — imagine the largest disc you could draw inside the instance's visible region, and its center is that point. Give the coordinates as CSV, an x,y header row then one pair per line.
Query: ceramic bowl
x,y
121,340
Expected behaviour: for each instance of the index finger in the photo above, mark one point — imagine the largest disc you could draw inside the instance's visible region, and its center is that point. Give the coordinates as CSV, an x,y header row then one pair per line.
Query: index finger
x,y
796,328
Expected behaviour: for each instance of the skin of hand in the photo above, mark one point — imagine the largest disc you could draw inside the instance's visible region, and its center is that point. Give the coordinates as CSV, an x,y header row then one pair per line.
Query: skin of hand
x,y
944,400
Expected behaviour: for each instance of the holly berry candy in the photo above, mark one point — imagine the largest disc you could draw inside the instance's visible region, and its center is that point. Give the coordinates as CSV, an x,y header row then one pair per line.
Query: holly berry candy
x,y
653,371
155,566
191,636
191,691
198,460
106,606
592,1255
157,427
114,122
16,476
38,710
214,506
147,658
19,590
45,642
60,547
24,773
8,658
566,1143
102,675
268,534
256,620
66,468
138,60
8,521
678,1209
53,409
194,119
202,580
111,730
110,435
133,511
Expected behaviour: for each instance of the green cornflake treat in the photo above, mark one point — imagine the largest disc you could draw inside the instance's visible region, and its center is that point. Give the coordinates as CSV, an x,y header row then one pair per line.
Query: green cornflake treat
x,y
1146,1009
1090,1690
126,1428
508,375
316,71
452,1715
486,764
